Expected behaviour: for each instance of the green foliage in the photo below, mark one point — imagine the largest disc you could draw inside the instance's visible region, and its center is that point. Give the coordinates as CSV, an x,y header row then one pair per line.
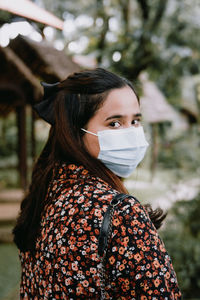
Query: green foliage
x,y
182,152
5,17
157,36
8,134
182,239
10,269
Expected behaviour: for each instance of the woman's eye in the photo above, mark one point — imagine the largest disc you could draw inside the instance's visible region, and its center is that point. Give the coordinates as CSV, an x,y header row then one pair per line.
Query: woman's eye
x,y
114,124
136,122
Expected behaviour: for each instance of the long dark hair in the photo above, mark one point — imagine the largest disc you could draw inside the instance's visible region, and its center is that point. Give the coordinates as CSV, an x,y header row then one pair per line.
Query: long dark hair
x,y
76,101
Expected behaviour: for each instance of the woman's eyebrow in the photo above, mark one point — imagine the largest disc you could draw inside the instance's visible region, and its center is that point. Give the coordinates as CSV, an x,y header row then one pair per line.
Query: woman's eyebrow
x,y
121,116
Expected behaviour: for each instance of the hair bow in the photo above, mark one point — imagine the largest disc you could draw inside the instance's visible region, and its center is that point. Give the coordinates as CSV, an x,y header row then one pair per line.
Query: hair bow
x,y
45,108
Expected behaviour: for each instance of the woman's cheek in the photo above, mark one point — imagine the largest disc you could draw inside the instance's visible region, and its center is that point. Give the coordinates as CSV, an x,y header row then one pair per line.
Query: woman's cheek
x,y
92,144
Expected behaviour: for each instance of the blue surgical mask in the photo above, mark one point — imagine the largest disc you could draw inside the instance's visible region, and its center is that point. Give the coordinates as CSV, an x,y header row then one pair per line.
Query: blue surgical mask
x,y
121,150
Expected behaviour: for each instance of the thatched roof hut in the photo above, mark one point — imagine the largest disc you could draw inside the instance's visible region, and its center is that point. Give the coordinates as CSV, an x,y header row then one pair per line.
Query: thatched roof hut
x,y
44,61
17,83
24,63
190,98
156,109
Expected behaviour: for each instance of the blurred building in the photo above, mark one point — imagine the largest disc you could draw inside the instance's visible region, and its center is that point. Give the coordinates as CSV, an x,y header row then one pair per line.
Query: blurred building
x,y
156,111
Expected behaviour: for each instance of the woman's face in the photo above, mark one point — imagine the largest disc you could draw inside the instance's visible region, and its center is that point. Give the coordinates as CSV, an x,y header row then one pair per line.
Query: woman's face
x,y
119,110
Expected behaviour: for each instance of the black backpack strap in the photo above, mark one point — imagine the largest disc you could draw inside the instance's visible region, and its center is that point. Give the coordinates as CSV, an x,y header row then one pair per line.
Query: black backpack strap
x,y
106,227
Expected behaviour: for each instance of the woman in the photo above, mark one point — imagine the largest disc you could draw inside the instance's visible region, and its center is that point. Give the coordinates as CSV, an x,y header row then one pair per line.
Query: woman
x,y
95,140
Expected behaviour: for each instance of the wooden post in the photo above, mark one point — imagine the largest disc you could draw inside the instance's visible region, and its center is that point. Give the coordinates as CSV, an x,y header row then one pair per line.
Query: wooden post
x,y
22,149
33,144
154,157
3,131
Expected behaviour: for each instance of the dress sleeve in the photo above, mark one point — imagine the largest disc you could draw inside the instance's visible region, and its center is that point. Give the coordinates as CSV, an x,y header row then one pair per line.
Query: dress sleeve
x,y
137,262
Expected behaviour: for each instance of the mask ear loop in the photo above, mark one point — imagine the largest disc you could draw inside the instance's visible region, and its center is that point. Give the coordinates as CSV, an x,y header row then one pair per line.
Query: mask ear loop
x,y
89,132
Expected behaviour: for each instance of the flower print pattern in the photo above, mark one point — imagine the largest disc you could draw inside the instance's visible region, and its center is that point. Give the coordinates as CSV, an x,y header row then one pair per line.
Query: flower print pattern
x,y
65,264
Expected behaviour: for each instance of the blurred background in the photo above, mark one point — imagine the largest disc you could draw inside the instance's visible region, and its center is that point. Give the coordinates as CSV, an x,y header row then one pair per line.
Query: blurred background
x,y
156,45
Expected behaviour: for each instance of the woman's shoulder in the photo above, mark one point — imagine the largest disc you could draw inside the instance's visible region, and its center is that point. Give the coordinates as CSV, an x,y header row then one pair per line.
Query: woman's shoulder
x,y
75,186
131,204
75,189
74,180
132,217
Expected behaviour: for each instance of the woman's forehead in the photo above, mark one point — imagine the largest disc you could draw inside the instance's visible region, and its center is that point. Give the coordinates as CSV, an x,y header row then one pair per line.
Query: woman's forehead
x,y
121,101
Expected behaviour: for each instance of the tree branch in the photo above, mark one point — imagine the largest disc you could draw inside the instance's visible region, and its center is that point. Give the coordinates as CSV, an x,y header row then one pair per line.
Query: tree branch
x,y
159,14
102,39
125,6
144,8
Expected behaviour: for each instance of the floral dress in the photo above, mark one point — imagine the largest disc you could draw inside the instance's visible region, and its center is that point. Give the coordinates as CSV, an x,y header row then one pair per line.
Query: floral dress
x,y
66,261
